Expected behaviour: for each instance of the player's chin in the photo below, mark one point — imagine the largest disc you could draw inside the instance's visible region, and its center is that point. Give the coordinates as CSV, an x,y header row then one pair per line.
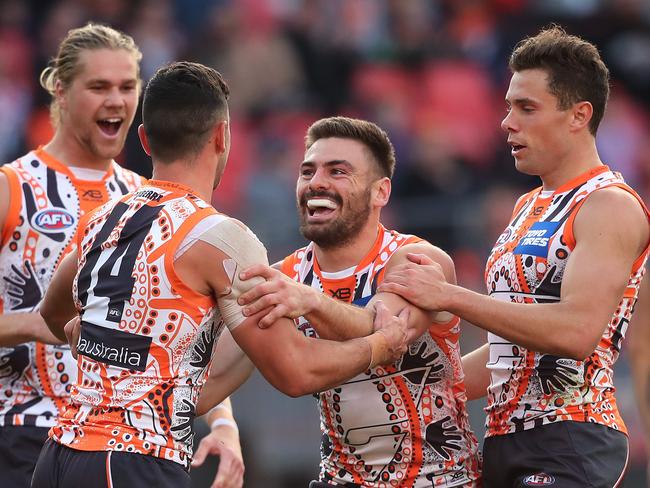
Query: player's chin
x,y
110,149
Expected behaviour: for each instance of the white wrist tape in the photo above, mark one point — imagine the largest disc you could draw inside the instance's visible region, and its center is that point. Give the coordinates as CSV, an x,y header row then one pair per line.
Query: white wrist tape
x,y
227,422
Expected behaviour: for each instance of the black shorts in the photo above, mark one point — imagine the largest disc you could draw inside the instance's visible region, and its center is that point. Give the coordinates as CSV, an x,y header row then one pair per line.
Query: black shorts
x,y
20,446
61,467
558,455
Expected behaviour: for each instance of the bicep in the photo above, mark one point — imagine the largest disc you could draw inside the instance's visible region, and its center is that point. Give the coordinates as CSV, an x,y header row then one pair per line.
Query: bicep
x,y
610,233
418,317
234,248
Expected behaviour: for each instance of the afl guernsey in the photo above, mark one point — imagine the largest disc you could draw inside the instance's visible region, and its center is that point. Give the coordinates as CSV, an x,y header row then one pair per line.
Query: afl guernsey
x,y
45,203
530,389
400,425
147,338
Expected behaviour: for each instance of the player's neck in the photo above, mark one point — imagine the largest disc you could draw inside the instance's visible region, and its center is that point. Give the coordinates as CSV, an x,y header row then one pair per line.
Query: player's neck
x,y
178,172
581,160
65,149
350,254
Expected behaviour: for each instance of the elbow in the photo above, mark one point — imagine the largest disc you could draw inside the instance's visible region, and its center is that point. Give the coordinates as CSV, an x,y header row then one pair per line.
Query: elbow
x,y
578,346
293,382
294,387
47,314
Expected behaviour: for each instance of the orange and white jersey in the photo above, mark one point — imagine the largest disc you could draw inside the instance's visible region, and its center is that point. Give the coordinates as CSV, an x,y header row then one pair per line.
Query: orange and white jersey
x,y
530,389
147,338
45,203
402,425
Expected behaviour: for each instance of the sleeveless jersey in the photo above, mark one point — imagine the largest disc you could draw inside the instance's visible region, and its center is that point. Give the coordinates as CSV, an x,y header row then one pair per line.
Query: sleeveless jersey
x,y
530,389
400,425
147,338
45,203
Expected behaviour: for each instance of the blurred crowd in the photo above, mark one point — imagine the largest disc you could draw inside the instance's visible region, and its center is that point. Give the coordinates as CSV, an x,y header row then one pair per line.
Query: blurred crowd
x,y
432,73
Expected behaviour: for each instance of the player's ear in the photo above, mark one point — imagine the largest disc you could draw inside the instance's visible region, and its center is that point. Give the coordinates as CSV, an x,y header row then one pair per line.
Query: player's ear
x,y
381,191
221,136
143,140
582,113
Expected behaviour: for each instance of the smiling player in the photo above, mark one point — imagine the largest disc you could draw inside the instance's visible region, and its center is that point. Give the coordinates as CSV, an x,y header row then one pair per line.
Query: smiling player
x,y
94,81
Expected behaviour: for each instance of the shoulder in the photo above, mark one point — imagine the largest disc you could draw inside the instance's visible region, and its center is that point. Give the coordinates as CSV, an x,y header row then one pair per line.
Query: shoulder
x,y
290,264
235,239
613,210
133,179
525,198
613,202
428,249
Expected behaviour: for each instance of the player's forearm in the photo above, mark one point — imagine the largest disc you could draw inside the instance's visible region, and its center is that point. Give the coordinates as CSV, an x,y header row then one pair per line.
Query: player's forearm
x,y
223,410
220,386
18,328
320,366
339,321
477,376
556,328
317,365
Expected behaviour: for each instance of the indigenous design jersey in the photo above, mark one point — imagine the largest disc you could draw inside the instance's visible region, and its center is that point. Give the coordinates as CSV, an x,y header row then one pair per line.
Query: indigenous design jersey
x,y
530,389
402,425
45,203
146,338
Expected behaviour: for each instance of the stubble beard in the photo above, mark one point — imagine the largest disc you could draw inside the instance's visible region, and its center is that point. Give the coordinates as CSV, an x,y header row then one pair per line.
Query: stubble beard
x,y
342,231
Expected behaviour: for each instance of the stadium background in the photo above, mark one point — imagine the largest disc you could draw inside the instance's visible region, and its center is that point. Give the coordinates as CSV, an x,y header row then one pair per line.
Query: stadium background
x,y
432,73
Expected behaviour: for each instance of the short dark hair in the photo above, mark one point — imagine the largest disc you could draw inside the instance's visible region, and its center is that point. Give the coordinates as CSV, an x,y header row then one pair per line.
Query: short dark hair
x,y
370,135
575,69
181,103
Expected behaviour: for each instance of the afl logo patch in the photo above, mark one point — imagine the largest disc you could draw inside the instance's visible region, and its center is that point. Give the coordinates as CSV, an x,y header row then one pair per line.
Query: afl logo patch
x,y
52,220
539,479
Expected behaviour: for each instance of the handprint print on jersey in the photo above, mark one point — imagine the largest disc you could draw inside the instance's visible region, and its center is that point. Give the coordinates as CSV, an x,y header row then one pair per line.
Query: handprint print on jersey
x,y
444,439
555,375
420,365
14,363
24,288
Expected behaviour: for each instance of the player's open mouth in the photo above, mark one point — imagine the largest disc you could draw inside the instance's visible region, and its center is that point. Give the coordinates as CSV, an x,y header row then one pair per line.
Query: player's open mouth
x,y
320,207
110,126
516,148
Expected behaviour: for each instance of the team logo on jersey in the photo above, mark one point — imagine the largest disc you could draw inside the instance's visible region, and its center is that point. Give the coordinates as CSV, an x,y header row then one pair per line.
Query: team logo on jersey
x,y
114,347
539,479
535,242
52,220
504,237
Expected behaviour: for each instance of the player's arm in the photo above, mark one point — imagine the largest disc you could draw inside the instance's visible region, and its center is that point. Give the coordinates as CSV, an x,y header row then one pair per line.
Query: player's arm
x,y
639,341
291,362
222,441
21,327
611,231
229,370
477,376
58,308
331,318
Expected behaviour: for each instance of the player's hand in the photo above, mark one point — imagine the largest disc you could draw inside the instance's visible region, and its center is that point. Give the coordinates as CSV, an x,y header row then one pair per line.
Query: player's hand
x,y
282,296
395,331
421,281
72,330
223,441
